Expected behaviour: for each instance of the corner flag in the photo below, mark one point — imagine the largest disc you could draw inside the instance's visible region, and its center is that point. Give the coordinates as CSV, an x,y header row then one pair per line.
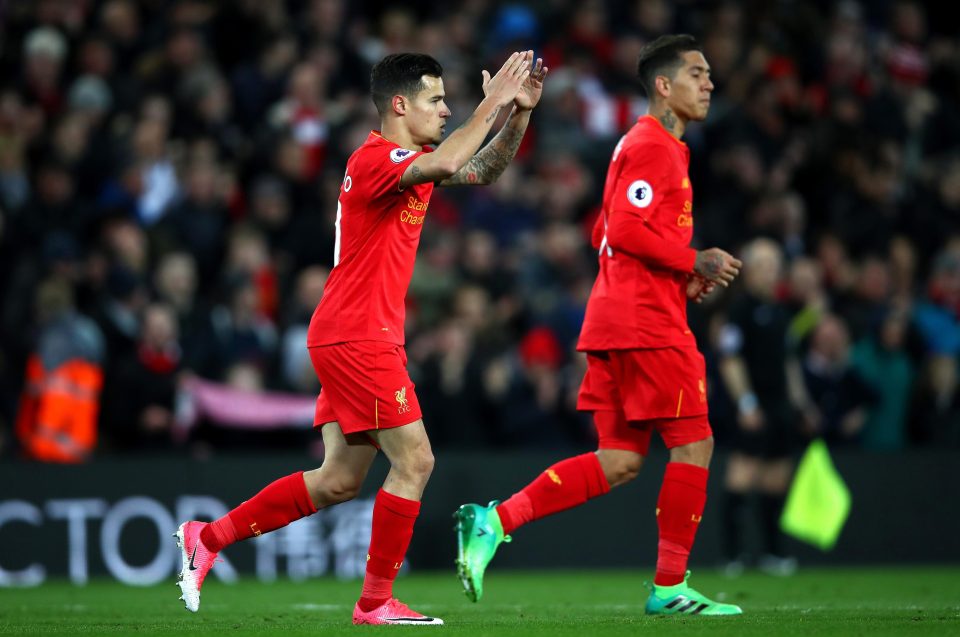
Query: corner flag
x,y
818,502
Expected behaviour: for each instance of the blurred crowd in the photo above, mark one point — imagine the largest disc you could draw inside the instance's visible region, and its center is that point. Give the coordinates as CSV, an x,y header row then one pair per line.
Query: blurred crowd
x,y
169,172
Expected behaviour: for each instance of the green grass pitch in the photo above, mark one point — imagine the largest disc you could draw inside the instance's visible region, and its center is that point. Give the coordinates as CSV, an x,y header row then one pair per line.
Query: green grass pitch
x,y
867,601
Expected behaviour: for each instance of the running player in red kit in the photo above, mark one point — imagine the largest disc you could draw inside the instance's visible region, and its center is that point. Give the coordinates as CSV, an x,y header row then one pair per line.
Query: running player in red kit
x,y
367,401
644,372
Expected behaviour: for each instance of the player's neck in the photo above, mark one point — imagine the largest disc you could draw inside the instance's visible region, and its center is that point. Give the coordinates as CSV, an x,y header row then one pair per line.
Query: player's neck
x,y
674,125
393,131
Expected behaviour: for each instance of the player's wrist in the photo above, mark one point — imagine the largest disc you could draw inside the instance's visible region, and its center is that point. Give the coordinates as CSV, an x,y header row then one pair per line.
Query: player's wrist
x,y
489,104
698,258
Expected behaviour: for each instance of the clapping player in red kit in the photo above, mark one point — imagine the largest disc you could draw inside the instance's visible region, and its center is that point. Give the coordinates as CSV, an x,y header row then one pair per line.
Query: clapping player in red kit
x,y
367,402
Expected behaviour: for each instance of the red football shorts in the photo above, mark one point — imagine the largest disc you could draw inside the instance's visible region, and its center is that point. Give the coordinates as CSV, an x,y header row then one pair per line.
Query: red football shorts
x,y
364,386
633,392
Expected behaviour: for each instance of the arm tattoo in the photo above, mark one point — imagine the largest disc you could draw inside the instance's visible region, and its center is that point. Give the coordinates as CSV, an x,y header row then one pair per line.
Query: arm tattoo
x,y
489,163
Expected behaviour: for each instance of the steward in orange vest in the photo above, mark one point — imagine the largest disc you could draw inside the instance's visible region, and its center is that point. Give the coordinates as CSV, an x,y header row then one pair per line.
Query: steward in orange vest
x,y
57,418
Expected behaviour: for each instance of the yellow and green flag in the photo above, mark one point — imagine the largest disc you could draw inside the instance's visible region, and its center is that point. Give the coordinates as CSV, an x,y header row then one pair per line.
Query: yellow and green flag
x,y
818,502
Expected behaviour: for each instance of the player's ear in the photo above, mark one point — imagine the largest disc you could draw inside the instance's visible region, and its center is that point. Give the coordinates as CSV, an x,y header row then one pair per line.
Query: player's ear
x,y
662,84
399,104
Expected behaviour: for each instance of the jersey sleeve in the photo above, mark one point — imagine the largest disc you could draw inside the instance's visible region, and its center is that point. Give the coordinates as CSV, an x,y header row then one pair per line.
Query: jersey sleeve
x,y
632,211
383,166
596,235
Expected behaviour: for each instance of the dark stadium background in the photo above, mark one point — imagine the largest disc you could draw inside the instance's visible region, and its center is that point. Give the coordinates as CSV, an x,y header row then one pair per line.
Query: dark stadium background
x,y
168,180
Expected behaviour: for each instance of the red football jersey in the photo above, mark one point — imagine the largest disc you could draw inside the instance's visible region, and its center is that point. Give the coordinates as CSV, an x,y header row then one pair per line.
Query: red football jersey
x,y
377,234
639,298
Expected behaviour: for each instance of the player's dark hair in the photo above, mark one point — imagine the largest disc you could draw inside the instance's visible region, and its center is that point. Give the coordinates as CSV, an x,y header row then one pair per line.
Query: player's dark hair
x,y
400,74
663,56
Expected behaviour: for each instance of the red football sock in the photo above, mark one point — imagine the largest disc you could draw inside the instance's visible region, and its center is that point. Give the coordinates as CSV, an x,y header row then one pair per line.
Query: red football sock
x,y
683,495
277,505
393,519
567,484
218,534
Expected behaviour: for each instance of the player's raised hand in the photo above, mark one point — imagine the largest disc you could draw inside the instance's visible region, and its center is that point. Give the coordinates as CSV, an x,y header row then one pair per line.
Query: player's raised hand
x,y
504,86
717,266
532,88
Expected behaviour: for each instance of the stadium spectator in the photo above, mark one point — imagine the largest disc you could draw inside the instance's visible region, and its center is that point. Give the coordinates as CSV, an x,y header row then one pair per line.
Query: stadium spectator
x,y
44,50
450,381
244,333
526,392
295,363
57,415
176,285
882,359
841,395
938,322
118,314
160,184
138,403
198,223
869,297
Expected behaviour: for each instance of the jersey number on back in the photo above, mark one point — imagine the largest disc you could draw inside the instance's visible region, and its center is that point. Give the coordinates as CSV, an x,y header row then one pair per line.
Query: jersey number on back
x,y
604,245
347,185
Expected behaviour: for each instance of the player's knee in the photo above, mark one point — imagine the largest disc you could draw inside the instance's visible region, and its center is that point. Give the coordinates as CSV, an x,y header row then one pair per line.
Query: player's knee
x,y
423,464
346,488
343,489
332,487
621,468
417,466
622,476
629,469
